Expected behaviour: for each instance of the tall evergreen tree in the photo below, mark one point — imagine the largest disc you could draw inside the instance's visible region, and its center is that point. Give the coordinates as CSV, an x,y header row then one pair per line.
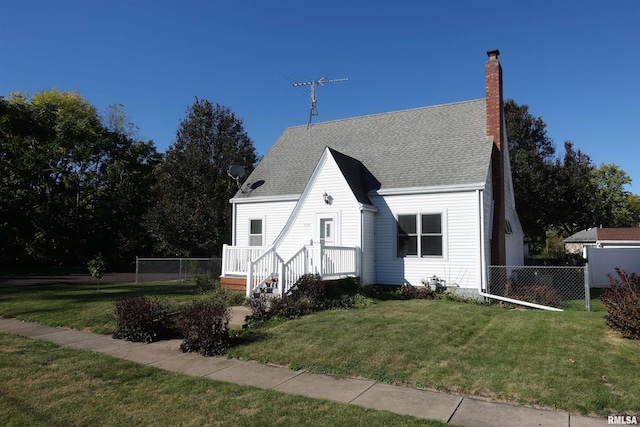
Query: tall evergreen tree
x,y
192,214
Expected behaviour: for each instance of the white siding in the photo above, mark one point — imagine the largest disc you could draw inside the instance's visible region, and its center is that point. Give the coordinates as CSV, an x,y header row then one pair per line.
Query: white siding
x,y
343,208
461,261
275,215
487,216
514,244
368,247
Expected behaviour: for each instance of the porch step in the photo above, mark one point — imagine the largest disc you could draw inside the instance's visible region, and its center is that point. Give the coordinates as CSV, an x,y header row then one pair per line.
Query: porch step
x,y
262,291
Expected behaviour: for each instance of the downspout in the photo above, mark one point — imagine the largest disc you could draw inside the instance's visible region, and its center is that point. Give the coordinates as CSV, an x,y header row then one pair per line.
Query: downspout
x,y
361,254
233,223
484,269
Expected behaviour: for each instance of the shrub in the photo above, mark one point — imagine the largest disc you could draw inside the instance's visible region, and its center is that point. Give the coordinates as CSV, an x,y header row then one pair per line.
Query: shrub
x,y
342,288
381,292
309,294
413,292
205,328
259,308
206,283
537,294
623,304
142,319
308,287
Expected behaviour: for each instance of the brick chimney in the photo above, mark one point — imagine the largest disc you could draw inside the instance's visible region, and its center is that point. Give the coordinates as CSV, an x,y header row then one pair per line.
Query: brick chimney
x,y
495,131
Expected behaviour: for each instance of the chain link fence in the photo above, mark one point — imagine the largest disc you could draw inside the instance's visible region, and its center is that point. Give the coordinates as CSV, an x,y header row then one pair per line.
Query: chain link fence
x,y
559,287
176,269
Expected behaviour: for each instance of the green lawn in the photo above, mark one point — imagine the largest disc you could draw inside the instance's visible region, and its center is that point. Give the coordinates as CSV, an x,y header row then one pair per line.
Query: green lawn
x,y
564,360
46,385
82,306
567,360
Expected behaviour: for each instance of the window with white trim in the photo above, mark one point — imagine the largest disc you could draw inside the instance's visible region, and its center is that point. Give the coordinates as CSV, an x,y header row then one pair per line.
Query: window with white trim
x,y
256,232
420,235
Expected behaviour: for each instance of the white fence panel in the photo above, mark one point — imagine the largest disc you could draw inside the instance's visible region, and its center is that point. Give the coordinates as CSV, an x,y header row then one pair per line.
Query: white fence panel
x,y
603,262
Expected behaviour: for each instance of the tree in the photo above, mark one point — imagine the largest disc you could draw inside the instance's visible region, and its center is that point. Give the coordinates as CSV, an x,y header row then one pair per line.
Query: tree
x,y
573,202
116,120
192,215
62,180
531,154
560,196
614,207
633,201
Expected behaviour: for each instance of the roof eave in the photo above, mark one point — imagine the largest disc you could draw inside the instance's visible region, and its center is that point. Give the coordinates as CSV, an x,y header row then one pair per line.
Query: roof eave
x,y
263,199
430,189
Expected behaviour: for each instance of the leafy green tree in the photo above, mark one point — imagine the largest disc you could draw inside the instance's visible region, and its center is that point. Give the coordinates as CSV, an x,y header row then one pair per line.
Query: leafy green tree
x,y
572,204
97,268
614,209
565,194
531,154
63,175
192,215
633,202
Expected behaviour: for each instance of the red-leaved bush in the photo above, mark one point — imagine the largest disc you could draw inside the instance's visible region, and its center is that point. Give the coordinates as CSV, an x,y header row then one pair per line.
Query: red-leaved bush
x,y
205,327
623,304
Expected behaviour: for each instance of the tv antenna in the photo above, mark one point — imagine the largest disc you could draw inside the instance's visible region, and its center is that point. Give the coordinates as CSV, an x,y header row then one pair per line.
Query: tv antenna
x,y
313,112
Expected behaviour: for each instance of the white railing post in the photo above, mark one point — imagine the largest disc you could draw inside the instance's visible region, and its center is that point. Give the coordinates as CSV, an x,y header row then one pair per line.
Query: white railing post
x,y
249,278
281,278
224,260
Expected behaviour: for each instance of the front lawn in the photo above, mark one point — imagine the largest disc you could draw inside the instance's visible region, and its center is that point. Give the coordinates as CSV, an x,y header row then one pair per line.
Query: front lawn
x,y
568,360
46,385
83,306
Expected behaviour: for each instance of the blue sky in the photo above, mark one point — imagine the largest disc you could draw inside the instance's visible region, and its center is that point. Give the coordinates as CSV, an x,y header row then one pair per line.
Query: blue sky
x,y
575,63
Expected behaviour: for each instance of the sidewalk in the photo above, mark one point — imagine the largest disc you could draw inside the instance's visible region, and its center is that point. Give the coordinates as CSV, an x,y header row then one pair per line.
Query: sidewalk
x,y
452,409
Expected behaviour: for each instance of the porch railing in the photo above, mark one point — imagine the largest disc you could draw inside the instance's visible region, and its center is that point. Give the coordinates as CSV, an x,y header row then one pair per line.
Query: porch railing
x,y
327,261
263,268
291,270
235,258
262,264
338,261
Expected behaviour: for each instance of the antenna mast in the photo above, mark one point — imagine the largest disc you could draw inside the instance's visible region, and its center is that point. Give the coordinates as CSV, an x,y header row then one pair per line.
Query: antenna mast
x,y
314,94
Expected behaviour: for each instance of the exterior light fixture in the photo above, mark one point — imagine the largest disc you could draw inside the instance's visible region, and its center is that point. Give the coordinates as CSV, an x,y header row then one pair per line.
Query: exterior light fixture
x,y
326,198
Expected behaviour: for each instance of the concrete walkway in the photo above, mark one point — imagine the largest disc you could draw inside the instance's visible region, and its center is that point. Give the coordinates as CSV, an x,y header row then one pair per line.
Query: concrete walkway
x,y
452,409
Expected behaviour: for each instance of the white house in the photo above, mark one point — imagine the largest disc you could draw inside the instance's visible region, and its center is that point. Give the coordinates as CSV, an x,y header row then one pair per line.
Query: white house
x,y
391,198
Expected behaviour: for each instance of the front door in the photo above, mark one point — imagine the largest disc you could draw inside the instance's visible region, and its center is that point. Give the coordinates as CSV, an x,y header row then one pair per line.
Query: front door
x,y
327,231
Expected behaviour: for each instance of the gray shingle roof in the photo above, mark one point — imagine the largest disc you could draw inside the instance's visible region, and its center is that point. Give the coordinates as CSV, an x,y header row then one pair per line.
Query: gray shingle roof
x,y
431,146
360,180
589,235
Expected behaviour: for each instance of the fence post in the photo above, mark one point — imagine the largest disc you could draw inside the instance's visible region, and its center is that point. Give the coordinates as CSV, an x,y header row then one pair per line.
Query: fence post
x,y
587,287
136,270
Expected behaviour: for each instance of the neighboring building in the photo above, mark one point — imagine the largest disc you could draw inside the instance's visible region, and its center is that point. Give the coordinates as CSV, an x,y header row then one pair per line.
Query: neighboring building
x,y
575,243
392,198
602,238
